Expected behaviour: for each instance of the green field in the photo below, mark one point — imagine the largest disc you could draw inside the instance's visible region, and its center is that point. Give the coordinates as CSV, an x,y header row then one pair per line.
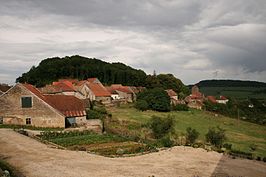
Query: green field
x,y
236,92
240,134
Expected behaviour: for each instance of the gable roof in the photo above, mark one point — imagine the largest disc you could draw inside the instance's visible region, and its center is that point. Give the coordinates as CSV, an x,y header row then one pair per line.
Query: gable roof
x,y
67,105
98,89
121,88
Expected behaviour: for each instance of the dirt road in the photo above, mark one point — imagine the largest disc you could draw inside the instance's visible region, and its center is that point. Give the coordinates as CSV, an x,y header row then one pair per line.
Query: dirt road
x,y
35,159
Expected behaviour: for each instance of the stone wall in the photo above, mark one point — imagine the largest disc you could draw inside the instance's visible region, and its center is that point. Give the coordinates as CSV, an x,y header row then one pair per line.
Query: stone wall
x,y
41,114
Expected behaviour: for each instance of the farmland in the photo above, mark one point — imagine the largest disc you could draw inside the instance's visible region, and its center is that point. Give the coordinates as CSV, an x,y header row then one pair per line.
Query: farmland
x,y
242,135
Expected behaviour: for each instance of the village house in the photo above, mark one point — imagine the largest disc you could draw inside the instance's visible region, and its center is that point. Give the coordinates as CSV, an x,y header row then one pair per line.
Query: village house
x,y
97,92
24,104
220,100
195,99
62,87
124,92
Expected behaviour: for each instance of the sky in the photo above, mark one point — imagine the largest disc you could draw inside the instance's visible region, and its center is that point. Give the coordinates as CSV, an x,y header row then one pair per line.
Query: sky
x,y
192,39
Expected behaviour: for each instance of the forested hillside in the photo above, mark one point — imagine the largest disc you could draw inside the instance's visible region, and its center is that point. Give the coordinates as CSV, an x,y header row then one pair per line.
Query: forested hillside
x,y
79,67
230,83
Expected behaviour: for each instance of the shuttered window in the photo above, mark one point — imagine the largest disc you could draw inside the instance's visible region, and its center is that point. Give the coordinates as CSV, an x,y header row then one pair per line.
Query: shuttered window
x,y
26,102
28,121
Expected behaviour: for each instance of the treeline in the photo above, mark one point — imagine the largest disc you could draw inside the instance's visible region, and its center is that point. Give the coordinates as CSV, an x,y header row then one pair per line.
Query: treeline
x,y
81,68
230,83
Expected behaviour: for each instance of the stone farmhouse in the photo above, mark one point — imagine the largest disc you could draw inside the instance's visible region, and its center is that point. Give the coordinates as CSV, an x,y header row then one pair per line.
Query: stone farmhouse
x,y
123,92
24,104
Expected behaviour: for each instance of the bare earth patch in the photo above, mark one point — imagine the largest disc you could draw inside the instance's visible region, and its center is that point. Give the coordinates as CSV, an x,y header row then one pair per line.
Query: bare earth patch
x,y
35,159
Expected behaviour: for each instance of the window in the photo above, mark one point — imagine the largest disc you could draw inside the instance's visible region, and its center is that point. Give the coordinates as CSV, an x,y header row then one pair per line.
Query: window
x,y
28,121
26,102
1,120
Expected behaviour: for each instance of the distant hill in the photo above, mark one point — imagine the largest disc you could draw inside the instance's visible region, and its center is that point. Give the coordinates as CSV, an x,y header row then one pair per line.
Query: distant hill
x,y
52,69
233,88
230,83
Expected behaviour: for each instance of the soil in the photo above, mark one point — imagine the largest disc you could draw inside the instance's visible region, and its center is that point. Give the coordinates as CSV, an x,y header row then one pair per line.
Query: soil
x,y
35,159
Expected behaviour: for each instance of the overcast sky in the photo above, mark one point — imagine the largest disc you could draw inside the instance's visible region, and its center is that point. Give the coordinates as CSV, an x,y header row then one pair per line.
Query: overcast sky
x,y
193,39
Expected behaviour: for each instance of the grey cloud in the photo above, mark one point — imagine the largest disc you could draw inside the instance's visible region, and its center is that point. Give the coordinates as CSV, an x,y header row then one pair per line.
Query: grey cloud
x,y
192,39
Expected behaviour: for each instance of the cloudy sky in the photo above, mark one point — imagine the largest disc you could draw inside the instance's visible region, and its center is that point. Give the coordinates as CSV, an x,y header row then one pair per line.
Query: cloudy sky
x,y
193,39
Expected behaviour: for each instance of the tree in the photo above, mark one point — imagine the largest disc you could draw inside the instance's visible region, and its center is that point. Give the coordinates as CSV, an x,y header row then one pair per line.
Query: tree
x,y
157,99
216,136
142,105
191,135
161,126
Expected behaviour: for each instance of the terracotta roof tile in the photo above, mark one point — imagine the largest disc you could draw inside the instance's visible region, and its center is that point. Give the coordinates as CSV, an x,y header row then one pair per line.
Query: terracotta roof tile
x,y
65,104
98,89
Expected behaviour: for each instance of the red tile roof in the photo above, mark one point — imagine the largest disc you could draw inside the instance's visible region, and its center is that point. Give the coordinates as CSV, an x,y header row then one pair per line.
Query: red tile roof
x,y
64,86
223,98
121,88
212,99
69,106
98,89
92,79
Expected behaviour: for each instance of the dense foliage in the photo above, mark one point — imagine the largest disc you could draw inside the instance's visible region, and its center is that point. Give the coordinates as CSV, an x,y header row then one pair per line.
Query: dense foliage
x,y
142,105
156,98
180,107
216,136
191,135
167,81
96,113
250,110
230,83
161,126
79,67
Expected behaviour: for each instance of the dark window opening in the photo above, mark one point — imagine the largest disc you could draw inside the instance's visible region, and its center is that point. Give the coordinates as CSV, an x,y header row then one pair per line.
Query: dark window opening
x,y
26,102
1,120
28,121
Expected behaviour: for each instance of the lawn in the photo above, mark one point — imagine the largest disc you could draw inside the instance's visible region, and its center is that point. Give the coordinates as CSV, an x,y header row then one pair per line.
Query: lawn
x,y
242,135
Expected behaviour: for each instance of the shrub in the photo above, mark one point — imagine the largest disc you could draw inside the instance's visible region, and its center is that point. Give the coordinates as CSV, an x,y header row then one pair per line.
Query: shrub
x,y
180,107
157,99
191,135
161,126
264,159
216,136
97,113
142,105
167,142
227,146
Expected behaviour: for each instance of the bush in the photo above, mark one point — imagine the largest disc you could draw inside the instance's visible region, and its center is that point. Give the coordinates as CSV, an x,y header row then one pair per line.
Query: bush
x,y
161,126
97,113
167,142
142,105
216,136
180,107
157,99
264,159
191,135
228,146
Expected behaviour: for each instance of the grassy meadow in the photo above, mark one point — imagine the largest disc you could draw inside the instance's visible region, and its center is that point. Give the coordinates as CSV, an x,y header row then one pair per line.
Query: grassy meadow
x,y
242,135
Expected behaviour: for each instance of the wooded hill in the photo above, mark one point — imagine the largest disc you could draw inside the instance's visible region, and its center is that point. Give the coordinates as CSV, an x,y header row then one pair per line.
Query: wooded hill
x,y
81,68
230,83
78,67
